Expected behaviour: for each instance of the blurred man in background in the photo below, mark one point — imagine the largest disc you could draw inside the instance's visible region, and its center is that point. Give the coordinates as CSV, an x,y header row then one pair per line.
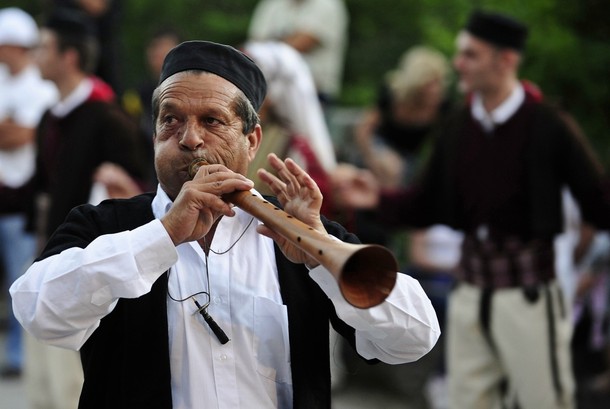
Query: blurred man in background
x,y
83,131
496,174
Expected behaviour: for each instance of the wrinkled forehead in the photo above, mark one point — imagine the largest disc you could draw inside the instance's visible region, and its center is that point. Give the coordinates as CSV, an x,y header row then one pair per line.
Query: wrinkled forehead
x,y
197,90
195,82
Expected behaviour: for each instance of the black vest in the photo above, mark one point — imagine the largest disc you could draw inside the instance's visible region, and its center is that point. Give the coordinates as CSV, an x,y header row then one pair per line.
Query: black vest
x,y
126,360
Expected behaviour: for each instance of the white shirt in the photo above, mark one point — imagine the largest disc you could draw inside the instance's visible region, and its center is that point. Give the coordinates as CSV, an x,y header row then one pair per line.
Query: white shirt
x,y
23,99
73,100
61,300
502,113
327,20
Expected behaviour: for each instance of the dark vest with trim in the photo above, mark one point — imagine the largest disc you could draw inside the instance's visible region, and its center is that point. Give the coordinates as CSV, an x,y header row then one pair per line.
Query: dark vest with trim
x,y
126,360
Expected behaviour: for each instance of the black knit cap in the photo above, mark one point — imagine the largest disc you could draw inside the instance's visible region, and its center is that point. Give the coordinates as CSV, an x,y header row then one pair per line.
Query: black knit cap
x,y
222,60
497,29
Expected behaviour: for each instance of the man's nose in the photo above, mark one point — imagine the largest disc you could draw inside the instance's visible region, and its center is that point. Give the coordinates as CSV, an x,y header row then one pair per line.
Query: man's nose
x,y
192,138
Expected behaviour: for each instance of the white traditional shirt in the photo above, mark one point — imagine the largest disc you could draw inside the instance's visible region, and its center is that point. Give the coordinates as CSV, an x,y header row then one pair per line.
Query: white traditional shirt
x,y
489,120
62,299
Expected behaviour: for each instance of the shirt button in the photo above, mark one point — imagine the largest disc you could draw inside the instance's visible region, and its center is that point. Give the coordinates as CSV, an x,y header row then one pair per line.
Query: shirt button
x,y
216,300
223,357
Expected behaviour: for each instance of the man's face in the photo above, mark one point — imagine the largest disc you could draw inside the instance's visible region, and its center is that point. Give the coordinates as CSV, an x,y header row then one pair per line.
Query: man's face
x,y
477,64
11,54
197,119
156,52
48,58
5,53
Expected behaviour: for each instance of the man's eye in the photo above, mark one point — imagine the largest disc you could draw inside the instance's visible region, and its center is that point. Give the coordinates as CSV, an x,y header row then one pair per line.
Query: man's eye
x,y
168,120
211,121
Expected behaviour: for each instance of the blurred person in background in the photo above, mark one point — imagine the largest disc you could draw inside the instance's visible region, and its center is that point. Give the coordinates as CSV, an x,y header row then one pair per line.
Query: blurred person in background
x,y
84,130
591,342
24,97
393,139
292,115
497,174
318,29
392,134
136,101
105,17
87,128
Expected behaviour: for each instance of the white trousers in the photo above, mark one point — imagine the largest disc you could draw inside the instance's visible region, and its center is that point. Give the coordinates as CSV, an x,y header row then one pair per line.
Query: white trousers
x,y
527,362
53,376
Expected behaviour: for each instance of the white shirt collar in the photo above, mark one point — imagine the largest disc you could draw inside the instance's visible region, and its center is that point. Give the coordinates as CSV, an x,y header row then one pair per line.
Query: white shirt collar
x,y
489,120
76,98
161,203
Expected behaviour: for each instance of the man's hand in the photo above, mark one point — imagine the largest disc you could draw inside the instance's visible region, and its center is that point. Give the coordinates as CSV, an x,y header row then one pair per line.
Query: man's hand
x,y
199,203
300,197
13,135
117,181
354,188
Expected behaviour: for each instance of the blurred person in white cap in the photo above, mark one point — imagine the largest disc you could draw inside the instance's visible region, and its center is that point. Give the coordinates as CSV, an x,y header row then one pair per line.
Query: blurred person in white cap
x,y
317,29
292,115
24,96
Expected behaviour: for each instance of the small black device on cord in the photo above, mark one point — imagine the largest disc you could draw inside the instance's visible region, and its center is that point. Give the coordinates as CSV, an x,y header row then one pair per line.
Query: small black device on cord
x,y
220,334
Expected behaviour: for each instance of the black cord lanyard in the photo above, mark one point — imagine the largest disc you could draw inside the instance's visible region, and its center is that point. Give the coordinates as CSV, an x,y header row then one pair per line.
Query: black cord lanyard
x,y
203,309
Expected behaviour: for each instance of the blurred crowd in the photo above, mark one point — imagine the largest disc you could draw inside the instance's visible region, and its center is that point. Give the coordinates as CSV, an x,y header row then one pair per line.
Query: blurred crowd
x,y
490,196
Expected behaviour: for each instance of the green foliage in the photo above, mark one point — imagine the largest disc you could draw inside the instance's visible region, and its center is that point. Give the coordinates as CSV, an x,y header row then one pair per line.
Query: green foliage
x,y
215,20
567,55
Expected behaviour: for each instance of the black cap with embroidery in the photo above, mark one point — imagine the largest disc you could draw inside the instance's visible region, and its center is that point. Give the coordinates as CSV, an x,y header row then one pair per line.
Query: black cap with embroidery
x,y
498,29
222,60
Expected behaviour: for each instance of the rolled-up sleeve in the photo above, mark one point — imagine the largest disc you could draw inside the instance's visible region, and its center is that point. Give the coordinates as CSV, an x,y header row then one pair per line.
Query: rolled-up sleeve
x,y
62,298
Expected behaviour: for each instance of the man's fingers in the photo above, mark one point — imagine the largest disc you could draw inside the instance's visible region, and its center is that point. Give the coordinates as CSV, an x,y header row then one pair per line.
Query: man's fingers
x,y
277,187
220,183
292,176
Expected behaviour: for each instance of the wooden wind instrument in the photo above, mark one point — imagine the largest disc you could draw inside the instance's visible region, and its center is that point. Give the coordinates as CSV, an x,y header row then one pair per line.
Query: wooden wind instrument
x,y
366,273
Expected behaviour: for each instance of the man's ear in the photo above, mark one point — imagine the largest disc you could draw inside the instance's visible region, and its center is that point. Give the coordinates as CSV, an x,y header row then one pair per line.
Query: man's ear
x,y
254,139
510,59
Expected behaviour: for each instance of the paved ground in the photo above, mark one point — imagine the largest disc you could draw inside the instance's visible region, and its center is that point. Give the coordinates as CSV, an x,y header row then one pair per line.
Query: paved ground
x,y
12,395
